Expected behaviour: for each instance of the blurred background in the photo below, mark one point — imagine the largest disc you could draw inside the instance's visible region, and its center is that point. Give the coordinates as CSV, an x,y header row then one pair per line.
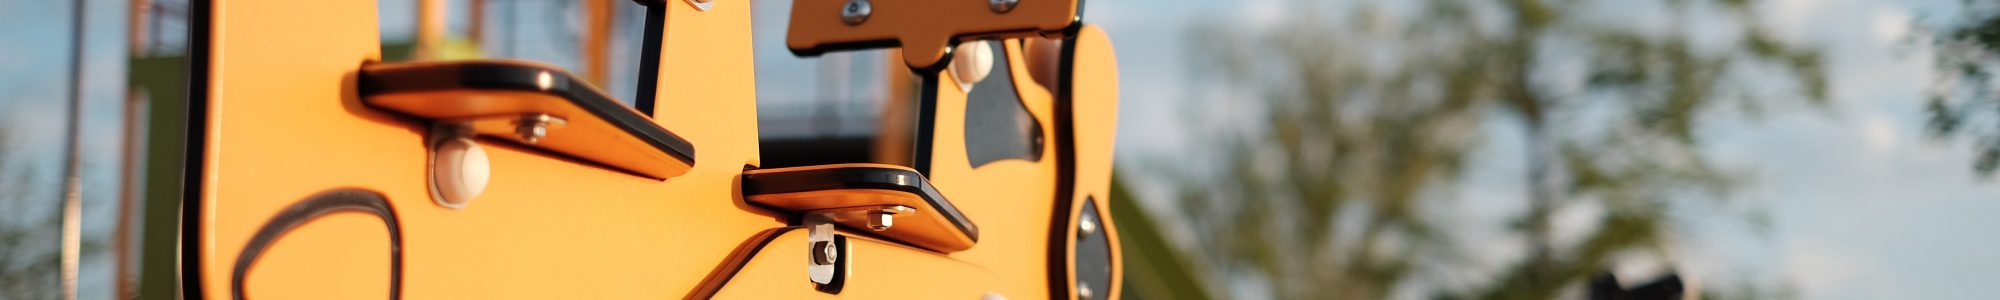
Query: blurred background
x,y
1293,149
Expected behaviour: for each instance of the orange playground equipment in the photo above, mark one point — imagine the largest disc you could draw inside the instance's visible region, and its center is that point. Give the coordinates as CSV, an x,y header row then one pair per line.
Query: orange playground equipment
x,y
313,169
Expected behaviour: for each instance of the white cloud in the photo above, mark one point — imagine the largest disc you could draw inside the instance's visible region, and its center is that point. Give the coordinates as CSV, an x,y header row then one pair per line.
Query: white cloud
x,y
1262,13
1891,25
1880,134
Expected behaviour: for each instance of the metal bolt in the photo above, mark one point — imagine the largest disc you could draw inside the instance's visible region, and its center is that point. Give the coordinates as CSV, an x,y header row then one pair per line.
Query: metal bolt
x,y
881,220
824,253
1002,6
1086,227
855,12
531,128
702,5
1083,290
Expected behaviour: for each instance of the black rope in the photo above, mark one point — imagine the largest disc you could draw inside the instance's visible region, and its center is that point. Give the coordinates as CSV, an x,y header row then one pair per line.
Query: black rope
x,y
324,203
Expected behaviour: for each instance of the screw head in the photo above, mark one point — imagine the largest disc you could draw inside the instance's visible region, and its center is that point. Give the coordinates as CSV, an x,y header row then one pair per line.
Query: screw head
x,y
1002,6
1086,227
855,12
702,5
532,127
532,131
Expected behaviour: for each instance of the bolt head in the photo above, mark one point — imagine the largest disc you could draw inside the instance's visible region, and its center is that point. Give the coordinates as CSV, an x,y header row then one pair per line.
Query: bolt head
x,y
855,12
701,5
533,127
879,221
532,132
1002,6
824,253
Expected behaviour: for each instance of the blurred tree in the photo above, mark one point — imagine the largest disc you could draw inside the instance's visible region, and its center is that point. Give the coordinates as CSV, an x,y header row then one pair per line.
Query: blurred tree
x,y
1366,124
1962,96
30,225
29,259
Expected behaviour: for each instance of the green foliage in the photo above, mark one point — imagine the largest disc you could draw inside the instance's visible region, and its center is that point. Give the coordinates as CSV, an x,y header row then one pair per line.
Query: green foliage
x,y
29,260
1366,125
1962,99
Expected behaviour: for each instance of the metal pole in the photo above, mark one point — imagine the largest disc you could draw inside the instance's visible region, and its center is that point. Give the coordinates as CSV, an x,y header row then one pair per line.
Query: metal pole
x,y
430,29
596,40
135,44
72,218
477,17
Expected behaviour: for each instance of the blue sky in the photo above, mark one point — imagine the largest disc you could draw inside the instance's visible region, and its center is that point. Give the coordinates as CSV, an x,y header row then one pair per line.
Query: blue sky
x,y
1862,205
33,86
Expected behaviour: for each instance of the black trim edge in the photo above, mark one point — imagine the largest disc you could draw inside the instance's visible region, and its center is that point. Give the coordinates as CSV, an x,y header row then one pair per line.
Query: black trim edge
x,y
649,58
1065,119
922,141
201,20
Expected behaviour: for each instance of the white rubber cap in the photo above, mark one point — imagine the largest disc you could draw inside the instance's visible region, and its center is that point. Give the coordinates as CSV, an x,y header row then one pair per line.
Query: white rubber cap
x,y
971,62
459,171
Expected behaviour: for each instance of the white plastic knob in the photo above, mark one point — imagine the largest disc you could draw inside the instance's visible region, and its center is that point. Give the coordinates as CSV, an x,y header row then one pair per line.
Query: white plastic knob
x,y
971,62
459,171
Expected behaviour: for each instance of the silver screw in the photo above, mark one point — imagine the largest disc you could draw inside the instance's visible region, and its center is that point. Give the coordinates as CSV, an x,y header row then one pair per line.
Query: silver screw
x,y
1002,6
702,5
825,253
1083,291
1086,227
882,218
855,12
532,127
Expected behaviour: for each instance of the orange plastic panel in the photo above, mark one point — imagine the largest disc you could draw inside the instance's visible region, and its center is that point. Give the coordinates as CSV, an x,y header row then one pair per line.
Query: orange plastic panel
x,y
1013,199
284,121
923,28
